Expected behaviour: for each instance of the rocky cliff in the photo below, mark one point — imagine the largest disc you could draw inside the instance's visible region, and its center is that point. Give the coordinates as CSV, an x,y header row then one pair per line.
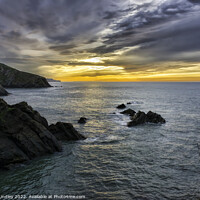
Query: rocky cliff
x,y
13,78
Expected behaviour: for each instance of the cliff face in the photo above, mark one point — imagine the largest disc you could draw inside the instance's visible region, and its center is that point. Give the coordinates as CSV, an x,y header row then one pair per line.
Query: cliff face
x,y
13,78
3,92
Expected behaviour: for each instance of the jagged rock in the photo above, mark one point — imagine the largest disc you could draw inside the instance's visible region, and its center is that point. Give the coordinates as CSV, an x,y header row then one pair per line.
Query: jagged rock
x,y
3,92
65,131
25,134
121,106
23,106
82,120
128,102
13,78
10,153
129,112
138,118
155,118
141,118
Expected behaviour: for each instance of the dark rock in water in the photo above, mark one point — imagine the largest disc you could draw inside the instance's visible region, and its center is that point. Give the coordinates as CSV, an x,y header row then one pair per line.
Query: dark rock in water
x,y
154,118
3,92
121,106
13,78
129,112
65,131
141,118
128,102
82,120
25,134
138,118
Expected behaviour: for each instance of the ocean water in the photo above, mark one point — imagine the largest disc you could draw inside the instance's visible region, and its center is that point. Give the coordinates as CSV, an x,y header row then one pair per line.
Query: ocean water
x,y
115,162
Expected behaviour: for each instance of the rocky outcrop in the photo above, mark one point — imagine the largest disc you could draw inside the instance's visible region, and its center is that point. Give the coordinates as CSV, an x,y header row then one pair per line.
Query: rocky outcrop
x,y
129,112
82,120
65,131
3,92
141,118
12,78
155,118
25,134
121,106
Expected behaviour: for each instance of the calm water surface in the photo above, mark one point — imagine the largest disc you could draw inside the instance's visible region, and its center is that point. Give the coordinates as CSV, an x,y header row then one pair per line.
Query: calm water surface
x,y
115,162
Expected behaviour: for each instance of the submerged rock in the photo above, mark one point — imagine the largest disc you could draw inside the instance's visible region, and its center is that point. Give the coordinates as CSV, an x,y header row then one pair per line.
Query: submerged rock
x,y
25,134
121,106
82,120
65,131
141,118
3,92
129,112
13,78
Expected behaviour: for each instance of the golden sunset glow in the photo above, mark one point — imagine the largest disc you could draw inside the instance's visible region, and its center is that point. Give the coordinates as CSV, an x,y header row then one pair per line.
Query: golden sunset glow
x,y
118,73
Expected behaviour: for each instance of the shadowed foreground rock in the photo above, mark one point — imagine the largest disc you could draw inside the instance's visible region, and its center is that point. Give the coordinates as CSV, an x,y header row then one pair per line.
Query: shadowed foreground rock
x,y
24,134
3,92
141,118
65,131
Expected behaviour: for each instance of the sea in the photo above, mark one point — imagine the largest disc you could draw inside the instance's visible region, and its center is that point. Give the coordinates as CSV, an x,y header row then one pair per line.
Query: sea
x,y
146,162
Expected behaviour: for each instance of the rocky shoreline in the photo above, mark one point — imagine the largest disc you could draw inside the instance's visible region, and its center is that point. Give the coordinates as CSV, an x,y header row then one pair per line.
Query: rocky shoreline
x,y
25,134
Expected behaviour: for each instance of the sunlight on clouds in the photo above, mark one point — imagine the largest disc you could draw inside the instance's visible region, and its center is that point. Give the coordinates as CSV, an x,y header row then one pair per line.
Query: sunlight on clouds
x,y
106,68
183,72
126,49
92,60
71,72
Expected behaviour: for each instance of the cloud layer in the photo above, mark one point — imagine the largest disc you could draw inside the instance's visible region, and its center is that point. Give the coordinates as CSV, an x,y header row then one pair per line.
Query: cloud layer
x,y
136,36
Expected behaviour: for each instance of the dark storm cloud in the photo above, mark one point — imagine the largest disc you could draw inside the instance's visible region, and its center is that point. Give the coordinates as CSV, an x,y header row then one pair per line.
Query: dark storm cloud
x,y
194,1
131,30
54,18
90,41
179,40
62,47
110,15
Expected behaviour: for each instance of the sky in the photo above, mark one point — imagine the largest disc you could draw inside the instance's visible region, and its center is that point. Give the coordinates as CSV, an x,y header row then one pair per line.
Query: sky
x,y
102,40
